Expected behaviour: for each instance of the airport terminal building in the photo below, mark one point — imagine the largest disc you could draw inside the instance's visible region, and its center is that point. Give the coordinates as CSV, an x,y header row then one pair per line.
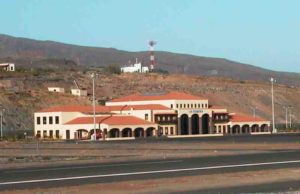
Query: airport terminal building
x,y
171,114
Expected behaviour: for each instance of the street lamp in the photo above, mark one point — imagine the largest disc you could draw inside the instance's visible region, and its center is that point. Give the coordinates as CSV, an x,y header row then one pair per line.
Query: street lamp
x,y
254,110
273,112
93,76
1,122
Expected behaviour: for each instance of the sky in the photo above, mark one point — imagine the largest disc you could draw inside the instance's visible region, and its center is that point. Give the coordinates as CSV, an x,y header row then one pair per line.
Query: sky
x,y
263,33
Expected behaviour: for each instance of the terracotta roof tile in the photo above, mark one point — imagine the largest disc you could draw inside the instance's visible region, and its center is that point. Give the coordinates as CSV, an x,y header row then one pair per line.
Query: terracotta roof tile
x,y
103,109
245,118
168,96
110,120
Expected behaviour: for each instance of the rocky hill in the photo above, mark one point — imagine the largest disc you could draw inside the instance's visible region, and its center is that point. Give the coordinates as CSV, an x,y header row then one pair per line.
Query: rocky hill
x,y
28,53
23,93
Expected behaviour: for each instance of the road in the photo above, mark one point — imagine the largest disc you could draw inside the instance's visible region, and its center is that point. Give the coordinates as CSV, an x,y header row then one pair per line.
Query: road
x,y
48,177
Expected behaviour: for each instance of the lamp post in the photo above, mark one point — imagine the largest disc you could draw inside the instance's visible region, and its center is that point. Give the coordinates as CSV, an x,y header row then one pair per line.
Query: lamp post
x,y
273,112
1,122
254,110
290,114
93,75
286,116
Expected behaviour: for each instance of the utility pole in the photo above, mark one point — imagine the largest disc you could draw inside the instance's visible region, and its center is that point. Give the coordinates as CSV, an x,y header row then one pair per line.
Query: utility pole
x,y
290,111
286,116
93,75
1,122
273,111
254,110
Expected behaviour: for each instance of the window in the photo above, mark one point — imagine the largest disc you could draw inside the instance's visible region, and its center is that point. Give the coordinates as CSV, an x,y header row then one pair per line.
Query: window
x,y
57,134
163,118
56,120
188,105
202,105
171,130
44,120
183,105
192,105
51,134
146,117
44,133
171,105
50,120
67,134
38,120
176,105
158,118
38,134
206,105
166,130
180,105
169,118
199,106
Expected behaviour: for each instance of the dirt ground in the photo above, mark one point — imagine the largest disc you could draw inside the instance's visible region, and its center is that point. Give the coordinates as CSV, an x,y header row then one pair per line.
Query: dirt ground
x,y
181,184
16,154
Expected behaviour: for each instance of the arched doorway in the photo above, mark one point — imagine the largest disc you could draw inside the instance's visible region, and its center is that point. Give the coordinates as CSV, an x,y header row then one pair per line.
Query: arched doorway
x,y
235,129
254,128
264,128
98,133
82,134
139,132
184,124
205,124
114,133
245,129
127,132
195,124
150,131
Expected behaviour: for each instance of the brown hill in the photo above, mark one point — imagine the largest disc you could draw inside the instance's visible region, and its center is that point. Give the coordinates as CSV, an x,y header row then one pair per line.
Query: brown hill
x,y
23,93
28,52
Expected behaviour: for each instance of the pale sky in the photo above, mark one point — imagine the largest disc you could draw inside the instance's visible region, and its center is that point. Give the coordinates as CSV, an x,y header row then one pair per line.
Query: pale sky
x,y
263,33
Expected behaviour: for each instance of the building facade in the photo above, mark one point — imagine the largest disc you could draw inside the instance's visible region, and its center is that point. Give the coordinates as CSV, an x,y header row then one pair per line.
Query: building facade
x,y
7,66
135,68
133,116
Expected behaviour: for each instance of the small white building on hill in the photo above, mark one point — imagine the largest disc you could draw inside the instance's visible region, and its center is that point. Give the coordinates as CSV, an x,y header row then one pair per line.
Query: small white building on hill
x,y
56,89
7,66
135,68
79,92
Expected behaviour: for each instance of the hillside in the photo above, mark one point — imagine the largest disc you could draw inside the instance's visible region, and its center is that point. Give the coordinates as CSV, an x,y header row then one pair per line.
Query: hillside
x,y
24,93
28,53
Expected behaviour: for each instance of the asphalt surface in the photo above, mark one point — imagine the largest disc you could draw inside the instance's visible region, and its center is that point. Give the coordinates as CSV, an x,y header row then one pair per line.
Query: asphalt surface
x,y
60,176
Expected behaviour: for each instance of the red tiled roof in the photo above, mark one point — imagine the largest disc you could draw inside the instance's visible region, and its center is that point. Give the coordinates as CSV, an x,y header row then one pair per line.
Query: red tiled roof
x,y
76,108
245,118
139,107
104,109
168,96
110,120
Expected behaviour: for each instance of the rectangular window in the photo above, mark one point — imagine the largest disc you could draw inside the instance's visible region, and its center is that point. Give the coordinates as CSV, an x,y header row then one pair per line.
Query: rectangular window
x,y
166,130
188,105
171,105
44,120
146,117
57,134
38,134
180,105
50,120
183,105
192,105
158,118
51,134
56,120
44,134
176,105
171,130
67,134
38,120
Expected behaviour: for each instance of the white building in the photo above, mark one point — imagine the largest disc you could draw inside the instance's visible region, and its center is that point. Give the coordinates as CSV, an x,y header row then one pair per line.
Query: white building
x,y
56,89
79,92
140,115
137,67
7,66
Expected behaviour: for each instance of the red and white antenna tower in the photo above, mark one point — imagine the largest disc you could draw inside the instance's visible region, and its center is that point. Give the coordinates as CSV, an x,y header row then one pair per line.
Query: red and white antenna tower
x,y
151,44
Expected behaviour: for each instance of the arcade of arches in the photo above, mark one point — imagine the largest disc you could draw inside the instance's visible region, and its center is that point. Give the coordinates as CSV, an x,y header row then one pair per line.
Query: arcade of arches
x,y
203,125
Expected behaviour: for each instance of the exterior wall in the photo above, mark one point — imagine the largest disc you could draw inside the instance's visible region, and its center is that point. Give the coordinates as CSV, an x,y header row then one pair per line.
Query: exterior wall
x,y
7,66
135,68
46,128
78,92
56,89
